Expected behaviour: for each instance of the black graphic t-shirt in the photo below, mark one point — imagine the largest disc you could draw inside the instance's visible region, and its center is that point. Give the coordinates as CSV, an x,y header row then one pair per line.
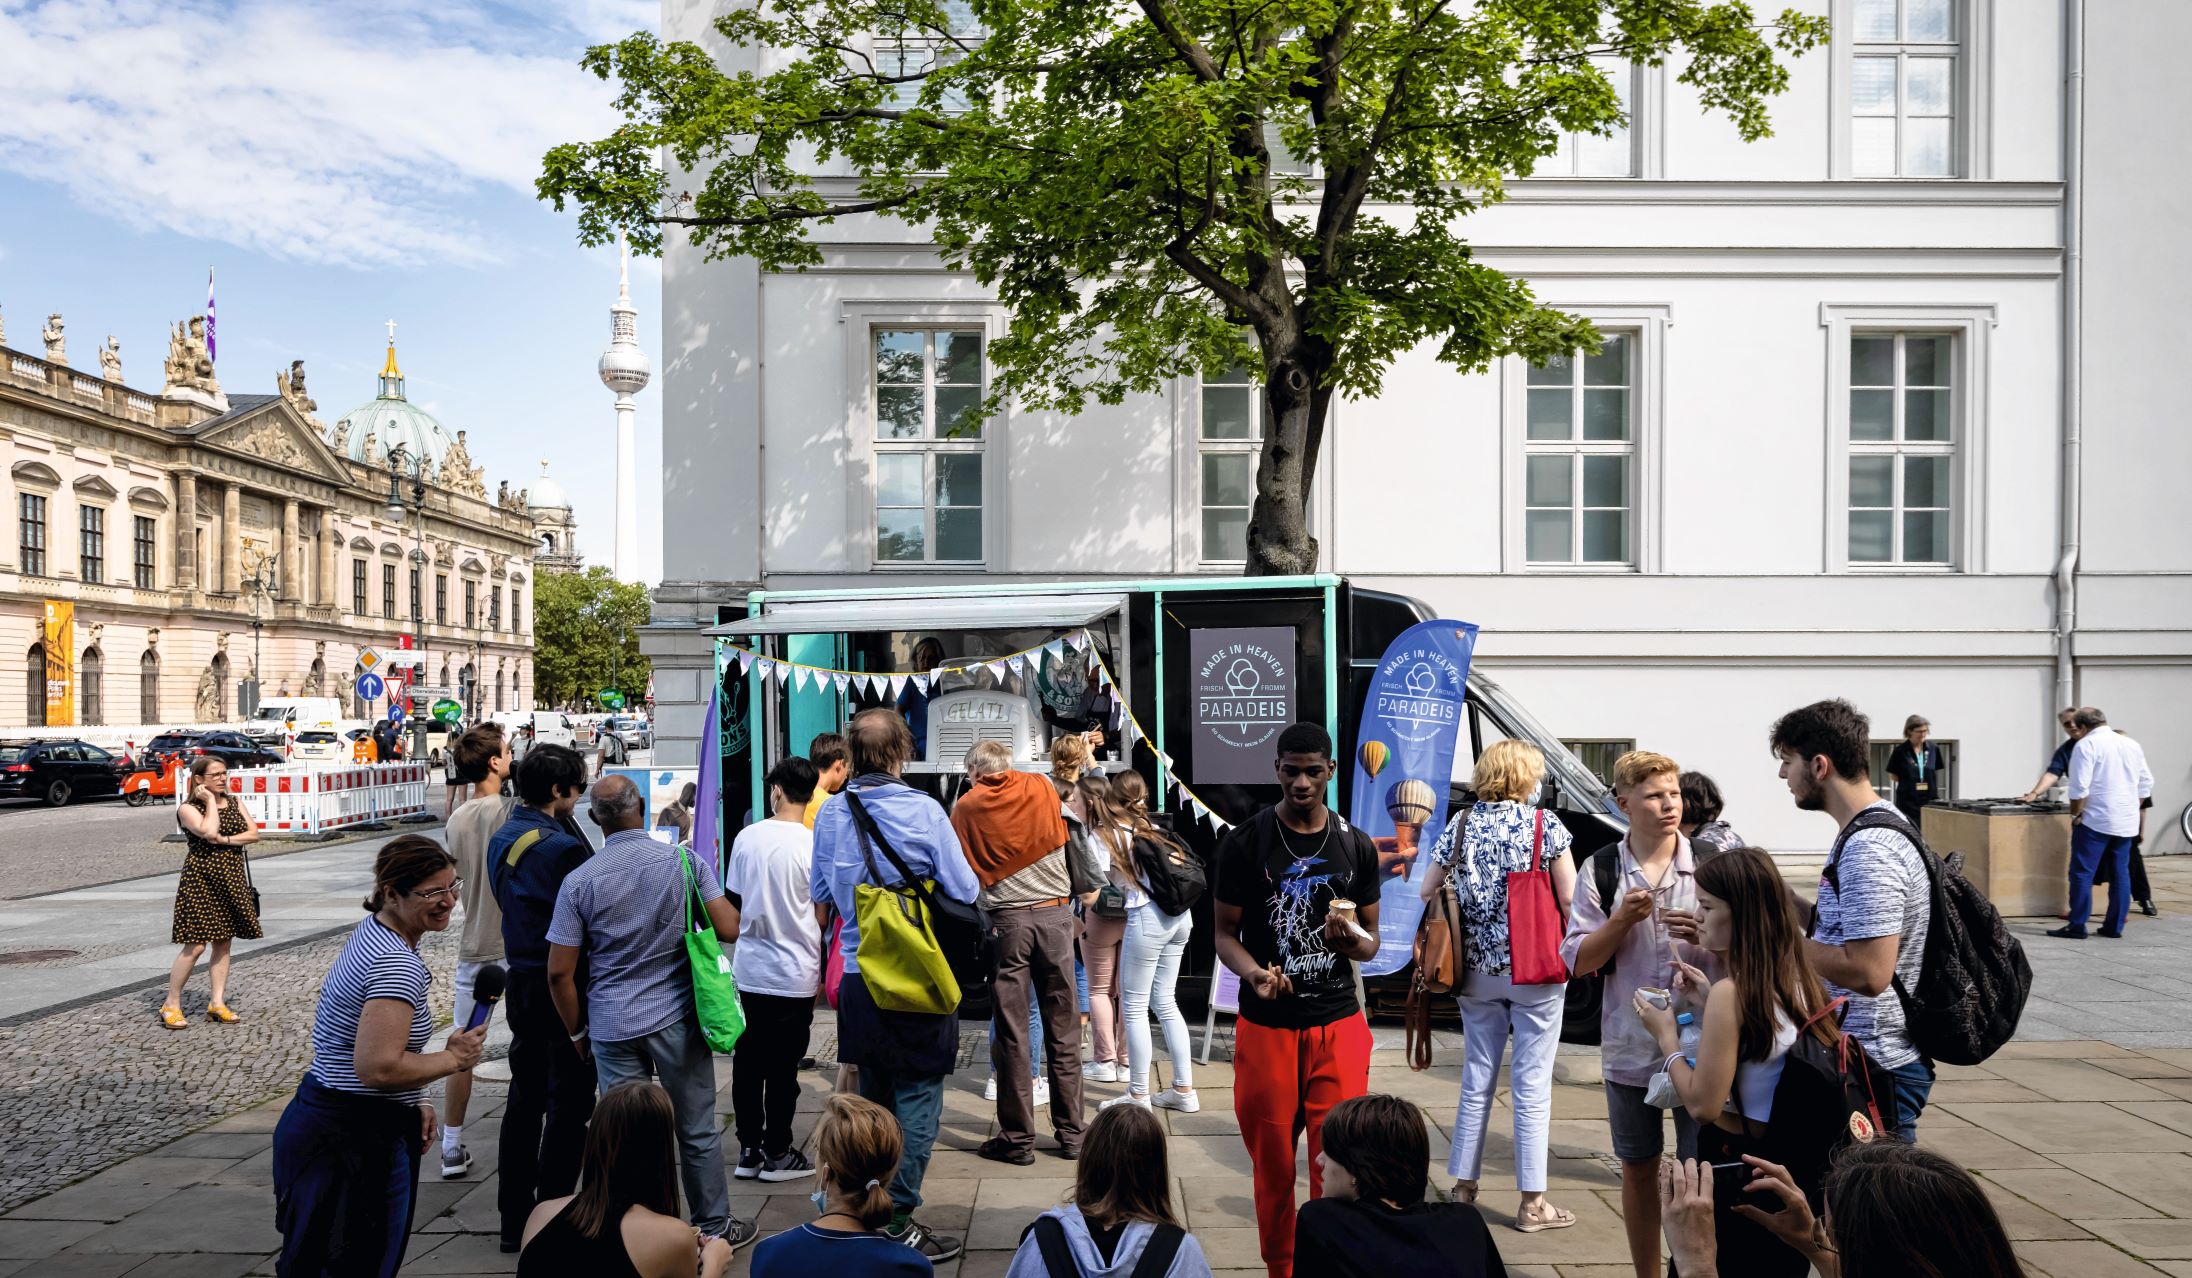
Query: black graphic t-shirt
x,y
1283,883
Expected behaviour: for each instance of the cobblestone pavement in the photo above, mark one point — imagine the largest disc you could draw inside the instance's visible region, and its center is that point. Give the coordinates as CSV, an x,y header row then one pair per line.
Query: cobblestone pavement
x,y
97,1083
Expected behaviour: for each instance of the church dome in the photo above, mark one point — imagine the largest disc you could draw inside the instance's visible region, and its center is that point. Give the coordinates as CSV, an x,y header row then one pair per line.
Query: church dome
x,y
545,493
392,421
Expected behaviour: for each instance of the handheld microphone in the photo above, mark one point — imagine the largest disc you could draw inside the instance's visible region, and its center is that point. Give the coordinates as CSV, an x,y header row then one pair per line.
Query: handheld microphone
x,y
487,987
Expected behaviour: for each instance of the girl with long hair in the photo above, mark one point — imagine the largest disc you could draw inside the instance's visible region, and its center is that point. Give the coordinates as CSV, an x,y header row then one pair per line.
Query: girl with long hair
x,y
1749,1020
1121,1207
1102,932
1149,953
623,1221
856,1151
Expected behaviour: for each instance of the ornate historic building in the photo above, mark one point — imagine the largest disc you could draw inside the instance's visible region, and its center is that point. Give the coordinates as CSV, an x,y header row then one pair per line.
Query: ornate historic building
x,y
166,545
555,528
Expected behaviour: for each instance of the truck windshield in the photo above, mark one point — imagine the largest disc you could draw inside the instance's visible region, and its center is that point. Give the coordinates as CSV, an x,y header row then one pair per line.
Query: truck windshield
x,y
271,712
1568,771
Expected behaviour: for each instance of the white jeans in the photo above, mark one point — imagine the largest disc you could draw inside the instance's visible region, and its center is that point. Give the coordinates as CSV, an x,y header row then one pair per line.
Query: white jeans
x,y
1492,1007
1149,969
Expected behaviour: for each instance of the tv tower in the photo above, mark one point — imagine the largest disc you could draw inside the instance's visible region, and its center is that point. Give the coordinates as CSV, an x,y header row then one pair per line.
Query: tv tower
x,y
625,369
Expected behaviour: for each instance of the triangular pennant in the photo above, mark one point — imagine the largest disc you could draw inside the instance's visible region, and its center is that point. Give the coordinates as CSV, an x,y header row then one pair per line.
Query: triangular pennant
x,y
996,670
745,661
1018,662
895,684
921,681
1076,639
766,667
1056,647
799,678
842,679
1103,674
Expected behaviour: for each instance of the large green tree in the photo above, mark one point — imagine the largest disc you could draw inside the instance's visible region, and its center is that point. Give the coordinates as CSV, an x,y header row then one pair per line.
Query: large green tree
x,y
1108,170
586,637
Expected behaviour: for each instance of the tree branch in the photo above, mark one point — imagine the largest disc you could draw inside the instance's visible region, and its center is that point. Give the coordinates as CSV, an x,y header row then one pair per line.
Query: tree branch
x,y
1194,55
778,215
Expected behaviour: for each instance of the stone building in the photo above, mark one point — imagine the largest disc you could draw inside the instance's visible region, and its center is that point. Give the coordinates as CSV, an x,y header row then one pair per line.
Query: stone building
x,y
555,528
167,545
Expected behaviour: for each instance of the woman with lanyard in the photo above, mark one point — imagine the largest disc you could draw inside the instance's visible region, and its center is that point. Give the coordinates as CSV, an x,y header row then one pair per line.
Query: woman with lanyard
x,y
1917,768
346,1152
214,903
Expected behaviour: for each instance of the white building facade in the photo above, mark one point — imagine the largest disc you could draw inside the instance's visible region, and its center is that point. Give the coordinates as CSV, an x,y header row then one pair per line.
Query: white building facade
x,y
1881,415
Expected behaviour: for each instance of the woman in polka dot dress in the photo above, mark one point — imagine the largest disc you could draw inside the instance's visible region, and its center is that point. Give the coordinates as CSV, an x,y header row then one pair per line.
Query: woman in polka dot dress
x,y
213,901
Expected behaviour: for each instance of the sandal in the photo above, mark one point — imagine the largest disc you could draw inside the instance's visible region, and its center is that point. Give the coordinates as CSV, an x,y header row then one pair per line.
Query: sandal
x,y
1464,1192
173,1018
1545,1217
220,1012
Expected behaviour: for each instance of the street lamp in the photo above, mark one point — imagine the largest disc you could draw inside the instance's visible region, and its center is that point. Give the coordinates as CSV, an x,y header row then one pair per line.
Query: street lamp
x,y
398,463
257,584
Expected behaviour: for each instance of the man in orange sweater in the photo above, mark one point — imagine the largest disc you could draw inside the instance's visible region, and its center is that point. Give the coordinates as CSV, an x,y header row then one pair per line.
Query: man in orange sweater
x,y
1013,829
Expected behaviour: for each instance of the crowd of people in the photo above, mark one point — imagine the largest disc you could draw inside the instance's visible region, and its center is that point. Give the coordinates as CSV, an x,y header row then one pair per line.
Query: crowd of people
x,y
1715,976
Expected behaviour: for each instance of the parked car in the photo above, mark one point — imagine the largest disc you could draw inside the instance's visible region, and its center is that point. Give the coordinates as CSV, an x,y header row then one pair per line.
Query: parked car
x,y
319,745
233,748
57,771
636,733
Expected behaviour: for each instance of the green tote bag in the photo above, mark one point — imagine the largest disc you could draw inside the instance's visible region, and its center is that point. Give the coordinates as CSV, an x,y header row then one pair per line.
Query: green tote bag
x,y
715,994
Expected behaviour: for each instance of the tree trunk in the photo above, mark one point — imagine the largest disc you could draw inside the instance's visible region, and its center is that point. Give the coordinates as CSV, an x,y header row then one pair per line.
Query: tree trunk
x,y
1279,543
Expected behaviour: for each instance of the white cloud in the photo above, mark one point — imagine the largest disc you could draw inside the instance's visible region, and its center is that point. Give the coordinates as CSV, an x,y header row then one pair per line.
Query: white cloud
x,y
340,133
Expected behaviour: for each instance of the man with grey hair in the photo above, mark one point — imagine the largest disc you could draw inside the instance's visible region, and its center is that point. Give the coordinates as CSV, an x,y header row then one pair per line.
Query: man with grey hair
x,y
618,931
2108,777
1013,828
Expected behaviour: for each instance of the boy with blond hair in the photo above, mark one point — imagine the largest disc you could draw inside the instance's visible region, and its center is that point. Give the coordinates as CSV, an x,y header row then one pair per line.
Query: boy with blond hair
x,y
1645,931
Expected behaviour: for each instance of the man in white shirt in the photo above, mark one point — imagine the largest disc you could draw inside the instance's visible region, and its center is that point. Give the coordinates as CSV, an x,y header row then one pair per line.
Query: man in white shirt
x,y
778,966
2108,777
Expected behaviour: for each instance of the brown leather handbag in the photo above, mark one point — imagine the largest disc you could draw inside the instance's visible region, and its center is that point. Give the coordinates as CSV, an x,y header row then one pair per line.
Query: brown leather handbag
x,y
1439,964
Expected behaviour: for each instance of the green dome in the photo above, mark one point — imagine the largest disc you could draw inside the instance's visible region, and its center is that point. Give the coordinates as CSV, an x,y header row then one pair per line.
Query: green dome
x,y
391,420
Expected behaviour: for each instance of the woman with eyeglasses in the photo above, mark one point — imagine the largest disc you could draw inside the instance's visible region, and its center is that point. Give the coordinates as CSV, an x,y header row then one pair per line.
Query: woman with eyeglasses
x,y
346,1152
213,902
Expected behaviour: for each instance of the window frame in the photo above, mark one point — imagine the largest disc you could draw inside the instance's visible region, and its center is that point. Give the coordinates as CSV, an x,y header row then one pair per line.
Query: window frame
x,y
1571,142
1580,747
861,320
1197,447
1971,92
33,536
388,591
358,586
1971,329
1646,326
904,97
441,599
91,543
145,551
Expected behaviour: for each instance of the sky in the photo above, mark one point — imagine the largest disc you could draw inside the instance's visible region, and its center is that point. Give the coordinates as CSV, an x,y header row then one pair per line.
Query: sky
x,y
338,166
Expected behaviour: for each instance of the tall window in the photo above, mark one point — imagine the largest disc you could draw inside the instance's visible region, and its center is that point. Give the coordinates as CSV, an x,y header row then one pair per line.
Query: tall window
x,y
91,688
148,687
494,612
418,613
388,590
441,599
471,603
1902,448
498,692
1580,457
144,550
1903,88
91,544
928,446
1594,155
517,616
1876,760
357,587
34,687
1228,441
919,52
30,536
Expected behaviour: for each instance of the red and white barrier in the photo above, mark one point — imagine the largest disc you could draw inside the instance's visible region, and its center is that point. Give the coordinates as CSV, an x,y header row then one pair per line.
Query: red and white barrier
x,y
312,798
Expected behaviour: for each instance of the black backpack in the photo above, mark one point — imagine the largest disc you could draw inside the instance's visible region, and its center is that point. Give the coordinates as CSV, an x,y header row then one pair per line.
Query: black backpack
x,y
1050,1239
1586,996
1172,873
1828,1096
1973,979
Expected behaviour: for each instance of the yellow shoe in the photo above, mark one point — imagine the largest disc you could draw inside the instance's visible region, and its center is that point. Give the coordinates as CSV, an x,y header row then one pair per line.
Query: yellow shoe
x,y
173,1018
220,1012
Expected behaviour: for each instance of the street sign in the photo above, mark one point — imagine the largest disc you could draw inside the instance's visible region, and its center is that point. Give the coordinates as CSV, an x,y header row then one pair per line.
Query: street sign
x,y
611,698
448,711
371,660
369,684
395,712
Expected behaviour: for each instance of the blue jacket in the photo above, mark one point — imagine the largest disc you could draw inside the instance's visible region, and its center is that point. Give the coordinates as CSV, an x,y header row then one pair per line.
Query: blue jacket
x,y
917,829
527,861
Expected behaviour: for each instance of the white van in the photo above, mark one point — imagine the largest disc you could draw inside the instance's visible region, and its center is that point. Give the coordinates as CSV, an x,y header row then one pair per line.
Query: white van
x,y
550,727
278,720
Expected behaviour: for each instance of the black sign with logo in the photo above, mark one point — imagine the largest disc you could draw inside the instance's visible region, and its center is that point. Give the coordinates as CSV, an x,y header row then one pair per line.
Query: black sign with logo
x,y
1244,697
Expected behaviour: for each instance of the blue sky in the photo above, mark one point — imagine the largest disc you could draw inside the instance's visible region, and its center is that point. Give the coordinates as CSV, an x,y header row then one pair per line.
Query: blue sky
x,y
340,165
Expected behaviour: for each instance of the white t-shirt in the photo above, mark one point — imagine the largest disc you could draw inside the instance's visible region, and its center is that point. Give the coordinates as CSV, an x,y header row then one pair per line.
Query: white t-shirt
x,y
779,943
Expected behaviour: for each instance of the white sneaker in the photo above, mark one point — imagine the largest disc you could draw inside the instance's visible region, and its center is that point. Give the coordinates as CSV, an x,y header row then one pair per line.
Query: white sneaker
x,y
1042,1093
1100,1072
989,1089
1184,1102
1127,1098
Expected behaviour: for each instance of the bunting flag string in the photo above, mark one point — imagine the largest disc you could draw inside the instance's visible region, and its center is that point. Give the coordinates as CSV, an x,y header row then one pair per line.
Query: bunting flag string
x,y
1015,662
1131,728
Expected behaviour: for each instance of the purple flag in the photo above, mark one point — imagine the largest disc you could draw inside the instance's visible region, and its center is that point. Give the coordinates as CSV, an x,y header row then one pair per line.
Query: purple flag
x,y
708,793
210,356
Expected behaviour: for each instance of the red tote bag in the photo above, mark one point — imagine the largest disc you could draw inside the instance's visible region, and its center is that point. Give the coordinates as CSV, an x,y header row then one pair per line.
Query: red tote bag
x,y
1534,925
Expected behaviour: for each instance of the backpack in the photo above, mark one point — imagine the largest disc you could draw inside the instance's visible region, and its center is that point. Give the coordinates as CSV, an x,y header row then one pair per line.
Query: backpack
x,y
1171,872
1973,979
1586,995
1050,1240
1828,1097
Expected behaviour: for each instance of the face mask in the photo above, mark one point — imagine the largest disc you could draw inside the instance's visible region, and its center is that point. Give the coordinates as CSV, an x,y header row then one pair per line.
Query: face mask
x,y
820,1197
1536,792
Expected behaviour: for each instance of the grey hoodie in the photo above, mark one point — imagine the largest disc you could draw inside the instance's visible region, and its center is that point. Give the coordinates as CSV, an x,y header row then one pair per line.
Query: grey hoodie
x,y
1028,1261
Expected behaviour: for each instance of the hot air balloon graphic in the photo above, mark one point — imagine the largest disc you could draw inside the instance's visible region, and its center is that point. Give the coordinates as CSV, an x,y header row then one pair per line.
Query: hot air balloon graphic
x,y
1409,803
1373,755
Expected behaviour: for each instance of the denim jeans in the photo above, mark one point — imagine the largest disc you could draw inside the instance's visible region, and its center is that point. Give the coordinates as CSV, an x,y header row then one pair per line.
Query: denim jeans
x,y
1492,1008
1913,1083
1149,969
677,1056
2089,851
917,1102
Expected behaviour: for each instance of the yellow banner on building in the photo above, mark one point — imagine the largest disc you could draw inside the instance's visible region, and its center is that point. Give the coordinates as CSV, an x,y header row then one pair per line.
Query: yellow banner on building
x,y
60,662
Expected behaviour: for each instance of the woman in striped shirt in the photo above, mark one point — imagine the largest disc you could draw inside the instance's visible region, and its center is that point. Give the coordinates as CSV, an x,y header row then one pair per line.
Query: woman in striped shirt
x,y
346,1152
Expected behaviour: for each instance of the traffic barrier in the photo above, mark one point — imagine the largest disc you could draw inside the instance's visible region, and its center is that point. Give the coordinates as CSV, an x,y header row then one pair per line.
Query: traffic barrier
x,y
313,798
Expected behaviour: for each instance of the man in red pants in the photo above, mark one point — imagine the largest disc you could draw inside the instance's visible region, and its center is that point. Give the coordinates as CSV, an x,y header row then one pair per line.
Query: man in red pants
x,y
1301,1045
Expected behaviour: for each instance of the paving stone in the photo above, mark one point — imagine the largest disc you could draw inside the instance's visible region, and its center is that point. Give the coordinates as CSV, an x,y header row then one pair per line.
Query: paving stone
x,y
2071,1080
119,1191
2081,1260
38,1239
2148,1239
197,1265
2025,1221
2161,1181
2071,1127
221,1218
71,1264
2067,1193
